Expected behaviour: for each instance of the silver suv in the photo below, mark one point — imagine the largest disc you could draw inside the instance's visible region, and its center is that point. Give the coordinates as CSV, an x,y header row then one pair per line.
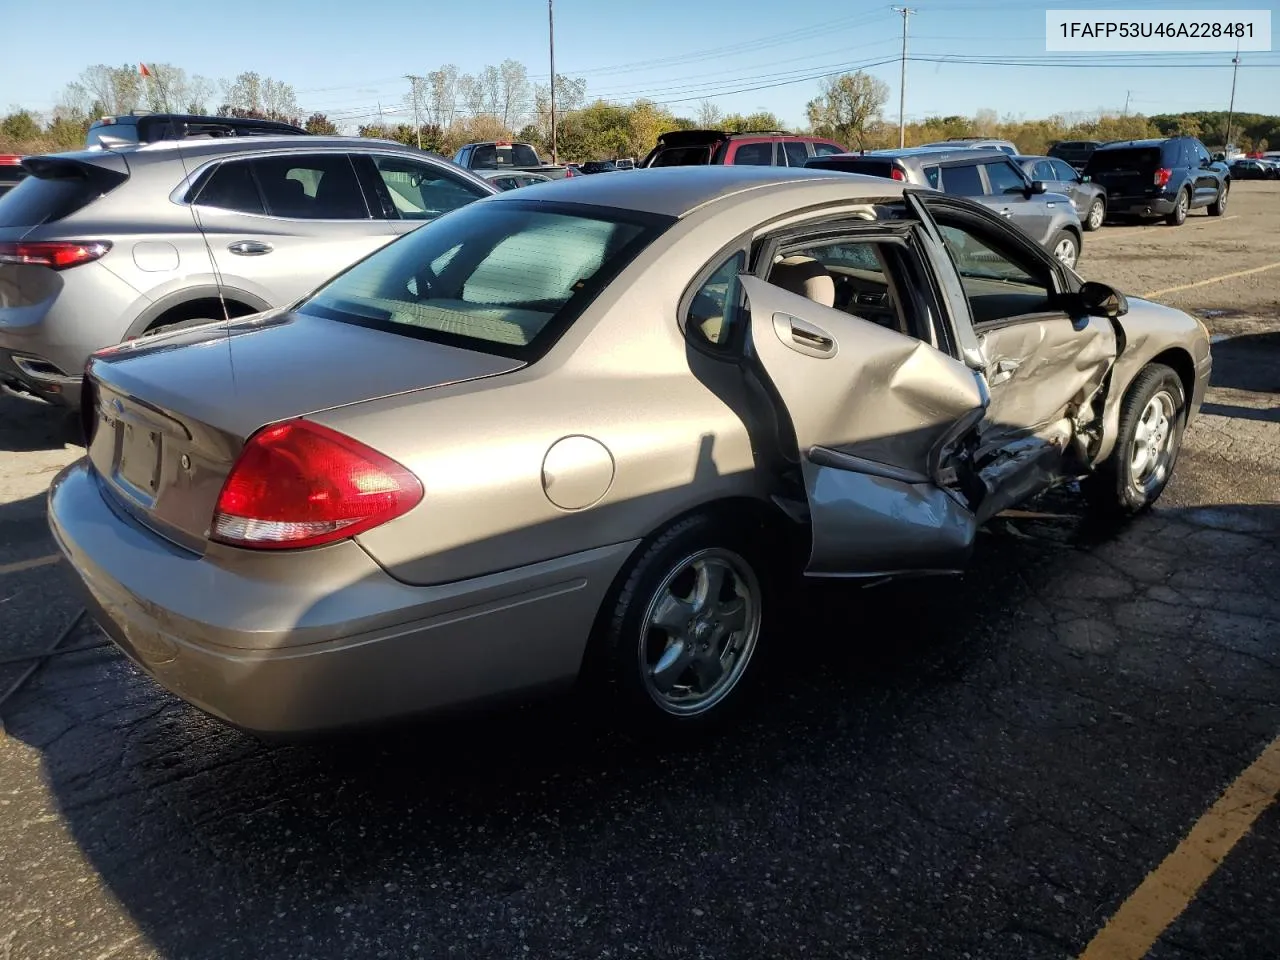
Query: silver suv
x,y
106,245
990,177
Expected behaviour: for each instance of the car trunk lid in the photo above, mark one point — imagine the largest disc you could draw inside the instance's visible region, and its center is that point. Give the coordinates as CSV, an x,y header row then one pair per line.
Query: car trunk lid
x,y
164,425
1127,171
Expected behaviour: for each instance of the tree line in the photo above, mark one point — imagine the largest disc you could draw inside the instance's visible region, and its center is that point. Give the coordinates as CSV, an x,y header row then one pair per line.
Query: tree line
x,y
446,108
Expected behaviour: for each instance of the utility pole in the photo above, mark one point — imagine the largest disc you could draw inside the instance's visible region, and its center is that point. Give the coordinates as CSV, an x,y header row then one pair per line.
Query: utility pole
x,y
417,124
902,85
1235,68
1127,95
551,25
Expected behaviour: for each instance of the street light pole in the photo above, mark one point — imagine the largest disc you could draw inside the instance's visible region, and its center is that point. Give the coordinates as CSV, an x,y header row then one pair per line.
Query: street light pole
x,y
902,84
417,124
551,25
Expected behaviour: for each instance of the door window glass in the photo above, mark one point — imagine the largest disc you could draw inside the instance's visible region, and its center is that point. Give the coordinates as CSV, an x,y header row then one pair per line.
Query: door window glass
x,y
754,154
998,285
713,314
1063,171
1043,170
421,192
232,188
311,187
797,155
962,181
1004,178
826,149
851,275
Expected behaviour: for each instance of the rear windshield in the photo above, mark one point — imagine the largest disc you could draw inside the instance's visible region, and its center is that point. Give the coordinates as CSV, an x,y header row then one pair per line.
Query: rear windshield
x,y
37,200
868,165
506,278
493,157
682,157
1124,158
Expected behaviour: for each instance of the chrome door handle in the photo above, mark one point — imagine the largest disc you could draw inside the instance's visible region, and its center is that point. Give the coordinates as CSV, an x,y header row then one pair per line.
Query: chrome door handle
x,y
249,248
804,337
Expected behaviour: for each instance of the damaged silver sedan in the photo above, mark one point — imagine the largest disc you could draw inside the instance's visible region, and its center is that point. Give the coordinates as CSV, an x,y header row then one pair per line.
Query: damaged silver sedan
x,y
581,431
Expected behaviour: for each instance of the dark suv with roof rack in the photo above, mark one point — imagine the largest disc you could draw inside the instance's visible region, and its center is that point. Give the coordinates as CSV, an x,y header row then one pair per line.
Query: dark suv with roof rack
x,y
762,148
143,127
1160,178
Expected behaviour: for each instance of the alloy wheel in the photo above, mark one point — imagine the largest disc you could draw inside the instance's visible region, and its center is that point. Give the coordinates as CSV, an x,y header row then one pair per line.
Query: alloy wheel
x,y
1152,450
1066,251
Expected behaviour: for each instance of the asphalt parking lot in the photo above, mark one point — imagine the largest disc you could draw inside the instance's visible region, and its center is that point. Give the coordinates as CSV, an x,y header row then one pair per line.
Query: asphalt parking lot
x,y
984,767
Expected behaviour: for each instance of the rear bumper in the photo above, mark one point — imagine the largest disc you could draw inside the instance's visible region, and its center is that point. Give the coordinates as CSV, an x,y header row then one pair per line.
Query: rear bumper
x,y
1154,206
295,645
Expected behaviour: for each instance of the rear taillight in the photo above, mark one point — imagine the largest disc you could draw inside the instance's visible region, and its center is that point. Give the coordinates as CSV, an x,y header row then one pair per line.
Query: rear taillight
x,y
299,484
56,254
1162,177
897,174
10,160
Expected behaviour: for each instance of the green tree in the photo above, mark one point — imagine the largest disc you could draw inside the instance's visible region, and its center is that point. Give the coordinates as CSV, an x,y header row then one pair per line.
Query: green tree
x,y
318,123
22,125
847,104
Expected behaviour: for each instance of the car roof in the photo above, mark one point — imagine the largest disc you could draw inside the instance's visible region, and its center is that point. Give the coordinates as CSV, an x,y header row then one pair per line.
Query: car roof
x,y
214,146
678,191
937,151
1149,142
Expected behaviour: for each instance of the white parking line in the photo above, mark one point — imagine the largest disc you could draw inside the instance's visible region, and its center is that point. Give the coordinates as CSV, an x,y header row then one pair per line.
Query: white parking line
x,y
20,565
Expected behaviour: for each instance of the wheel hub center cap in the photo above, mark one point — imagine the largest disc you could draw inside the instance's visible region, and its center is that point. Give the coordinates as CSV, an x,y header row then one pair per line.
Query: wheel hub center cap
x,y
701,632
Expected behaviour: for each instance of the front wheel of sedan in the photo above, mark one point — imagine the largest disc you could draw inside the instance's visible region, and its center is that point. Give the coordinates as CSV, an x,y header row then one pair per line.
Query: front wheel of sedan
x,y
1097,214
682,643
1152,419
1066,248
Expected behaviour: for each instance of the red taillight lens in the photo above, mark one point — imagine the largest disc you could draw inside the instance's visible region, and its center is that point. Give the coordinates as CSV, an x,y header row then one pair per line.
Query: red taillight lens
x,y
56,254
898,174
9,160
1162,176
299,484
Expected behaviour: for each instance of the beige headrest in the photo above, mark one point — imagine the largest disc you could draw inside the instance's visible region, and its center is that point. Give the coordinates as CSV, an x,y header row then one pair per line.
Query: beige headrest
x,y
805,276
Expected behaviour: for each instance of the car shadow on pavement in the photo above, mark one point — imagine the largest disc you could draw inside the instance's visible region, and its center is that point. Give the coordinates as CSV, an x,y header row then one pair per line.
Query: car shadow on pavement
x,y
970,737
27,425
1250,362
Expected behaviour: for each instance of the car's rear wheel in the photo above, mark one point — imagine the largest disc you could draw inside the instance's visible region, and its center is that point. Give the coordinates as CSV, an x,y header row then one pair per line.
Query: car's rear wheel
x,y
1066,248
1219,205
1152,420
1180,207
1097,214
683,639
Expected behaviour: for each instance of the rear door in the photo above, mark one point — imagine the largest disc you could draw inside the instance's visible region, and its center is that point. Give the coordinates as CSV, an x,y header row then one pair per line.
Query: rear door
x,y
280,224
1067,180
874,414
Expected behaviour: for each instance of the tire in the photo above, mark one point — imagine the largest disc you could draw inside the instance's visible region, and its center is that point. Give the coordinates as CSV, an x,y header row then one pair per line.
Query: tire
x,y
663,583
1065,247
1179,215
1121,488
1219,205
1097,215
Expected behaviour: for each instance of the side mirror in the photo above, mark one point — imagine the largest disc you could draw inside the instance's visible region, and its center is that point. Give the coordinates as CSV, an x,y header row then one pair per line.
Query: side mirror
x,y
1085,178
1101,300
1039,186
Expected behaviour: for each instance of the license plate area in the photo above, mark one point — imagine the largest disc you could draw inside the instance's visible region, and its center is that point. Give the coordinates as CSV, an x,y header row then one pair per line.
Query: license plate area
x,y
137,460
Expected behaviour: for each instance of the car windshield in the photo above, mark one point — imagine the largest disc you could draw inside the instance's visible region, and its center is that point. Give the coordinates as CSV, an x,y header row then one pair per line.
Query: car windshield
x,y
506,277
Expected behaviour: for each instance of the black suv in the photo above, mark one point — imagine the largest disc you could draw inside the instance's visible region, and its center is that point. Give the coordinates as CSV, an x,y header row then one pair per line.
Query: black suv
x,y
1160,178
143,127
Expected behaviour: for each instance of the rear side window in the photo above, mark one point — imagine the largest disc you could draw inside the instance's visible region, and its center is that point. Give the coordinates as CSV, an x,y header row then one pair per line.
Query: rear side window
x,y
231,187
504,277
314,187
36,200
796,153
826,149
492,156
962,181
1124,159
866,165
754,154
682,157
932,176
1004,178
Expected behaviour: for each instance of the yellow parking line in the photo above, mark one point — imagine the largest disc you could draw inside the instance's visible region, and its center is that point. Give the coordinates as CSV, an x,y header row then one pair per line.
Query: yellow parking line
x,y
1116,234
21,565
1205,283
1168,889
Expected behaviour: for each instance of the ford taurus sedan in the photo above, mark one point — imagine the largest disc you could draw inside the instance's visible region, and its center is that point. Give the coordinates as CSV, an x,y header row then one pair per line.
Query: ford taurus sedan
x,y
580,431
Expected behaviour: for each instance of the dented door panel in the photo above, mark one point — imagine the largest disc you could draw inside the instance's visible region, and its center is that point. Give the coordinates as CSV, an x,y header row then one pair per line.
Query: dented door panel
x,y
872,412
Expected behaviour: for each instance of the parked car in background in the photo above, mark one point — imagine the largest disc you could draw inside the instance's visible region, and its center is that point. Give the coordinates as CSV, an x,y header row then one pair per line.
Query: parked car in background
x,y
683,148
1089,199
11,172
1160,178
511,181
598,166
990,177
976,143
1075,152
142,126
507,155
1252,170
112,243
626,163
404,504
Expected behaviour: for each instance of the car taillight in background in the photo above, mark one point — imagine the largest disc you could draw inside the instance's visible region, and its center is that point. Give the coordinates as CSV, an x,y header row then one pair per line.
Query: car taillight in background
x,y
1162,177
897,174
10,160
300,484
55,254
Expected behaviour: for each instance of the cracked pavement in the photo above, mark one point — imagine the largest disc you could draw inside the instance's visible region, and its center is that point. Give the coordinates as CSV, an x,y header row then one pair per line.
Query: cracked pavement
x,y
980,767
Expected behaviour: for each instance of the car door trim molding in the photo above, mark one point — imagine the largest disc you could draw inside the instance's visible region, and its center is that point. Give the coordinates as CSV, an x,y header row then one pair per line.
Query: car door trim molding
x,y
826,457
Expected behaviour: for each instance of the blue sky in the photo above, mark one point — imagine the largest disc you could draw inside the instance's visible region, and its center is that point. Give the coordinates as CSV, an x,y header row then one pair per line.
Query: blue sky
x,y
345,59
